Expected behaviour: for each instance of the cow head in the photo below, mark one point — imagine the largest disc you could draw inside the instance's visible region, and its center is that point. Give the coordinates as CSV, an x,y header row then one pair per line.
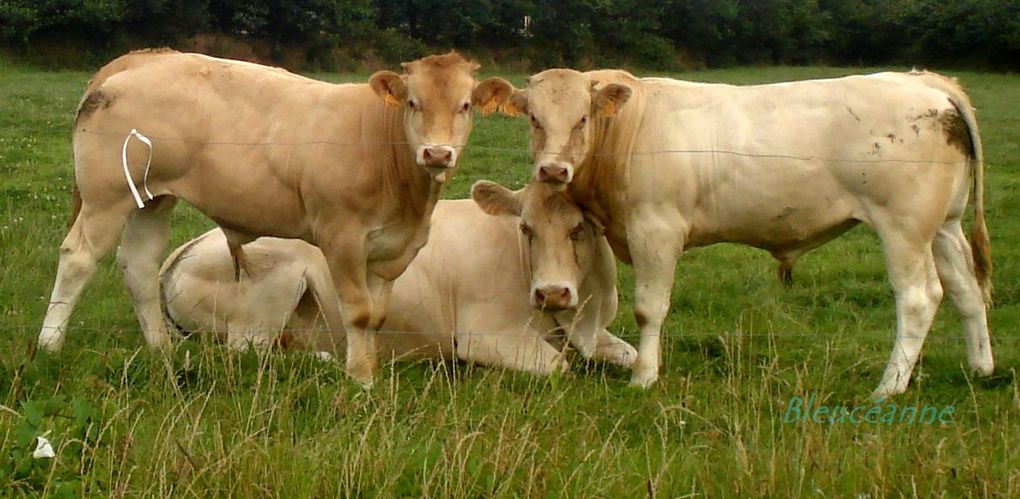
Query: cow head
x,y
435,96
561,239
563,106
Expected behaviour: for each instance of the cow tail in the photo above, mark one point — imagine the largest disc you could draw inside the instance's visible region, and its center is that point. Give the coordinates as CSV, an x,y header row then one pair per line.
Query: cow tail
x,y
980,245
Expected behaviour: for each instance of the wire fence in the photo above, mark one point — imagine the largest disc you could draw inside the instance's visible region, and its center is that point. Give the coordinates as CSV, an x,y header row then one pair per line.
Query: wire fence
x,y
519,150
525,330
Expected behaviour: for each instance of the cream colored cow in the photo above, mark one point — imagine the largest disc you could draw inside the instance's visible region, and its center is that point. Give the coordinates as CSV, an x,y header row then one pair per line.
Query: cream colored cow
x,y
355,169
466,295
668,165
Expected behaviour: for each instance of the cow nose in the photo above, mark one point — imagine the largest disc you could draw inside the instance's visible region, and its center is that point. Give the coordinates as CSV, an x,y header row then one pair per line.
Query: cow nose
x,y
437,156
553,174
552,297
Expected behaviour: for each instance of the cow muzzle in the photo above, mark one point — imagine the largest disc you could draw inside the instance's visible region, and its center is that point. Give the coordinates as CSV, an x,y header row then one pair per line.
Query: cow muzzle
x,y
431,155
557,172
553,298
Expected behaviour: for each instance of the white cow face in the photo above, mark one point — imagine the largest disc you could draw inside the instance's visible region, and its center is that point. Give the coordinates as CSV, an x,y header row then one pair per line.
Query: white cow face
x,y
563,106
561,239
435,97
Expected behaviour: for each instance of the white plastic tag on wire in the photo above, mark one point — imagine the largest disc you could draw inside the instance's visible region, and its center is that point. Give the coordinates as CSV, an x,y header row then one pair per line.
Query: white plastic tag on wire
x,y
127,173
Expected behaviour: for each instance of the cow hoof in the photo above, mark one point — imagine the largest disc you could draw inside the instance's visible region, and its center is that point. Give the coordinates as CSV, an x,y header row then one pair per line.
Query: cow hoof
x,y
984,368
361,376
365,383
886,390
51,340
622,355
643,378
563,368
159,339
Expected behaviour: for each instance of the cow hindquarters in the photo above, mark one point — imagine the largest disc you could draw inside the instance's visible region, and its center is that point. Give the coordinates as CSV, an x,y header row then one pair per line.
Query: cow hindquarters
x,y
92,235
954,262
915,283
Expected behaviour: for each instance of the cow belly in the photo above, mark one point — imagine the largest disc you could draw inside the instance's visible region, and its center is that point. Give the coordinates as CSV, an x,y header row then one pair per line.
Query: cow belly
x,y
767,204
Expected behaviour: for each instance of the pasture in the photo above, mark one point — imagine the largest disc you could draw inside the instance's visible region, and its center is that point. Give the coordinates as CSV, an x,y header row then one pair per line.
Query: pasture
x,y
738,346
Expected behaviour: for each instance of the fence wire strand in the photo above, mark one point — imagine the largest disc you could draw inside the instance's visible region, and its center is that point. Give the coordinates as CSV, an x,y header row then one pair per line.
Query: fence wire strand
x,y
525,150
563,332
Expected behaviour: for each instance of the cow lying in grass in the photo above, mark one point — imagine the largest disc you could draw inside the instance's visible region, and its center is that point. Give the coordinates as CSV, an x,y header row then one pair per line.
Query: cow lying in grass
x,y
355,169
474,292
668,165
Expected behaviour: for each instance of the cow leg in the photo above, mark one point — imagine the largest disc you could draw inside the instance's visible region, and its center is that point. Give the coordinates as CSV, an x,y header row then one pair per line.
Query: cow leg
x,y
785,270
954,262
654,256
611,349
251,332
787,259
586,332
235,241
519,350
381,289
348,267
91,237
914,279
142,245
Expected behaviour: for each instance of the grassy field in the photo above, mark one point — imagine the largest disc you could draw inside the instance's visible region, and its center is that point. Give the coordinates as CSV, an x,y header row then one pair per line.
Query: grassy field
x,y
738,346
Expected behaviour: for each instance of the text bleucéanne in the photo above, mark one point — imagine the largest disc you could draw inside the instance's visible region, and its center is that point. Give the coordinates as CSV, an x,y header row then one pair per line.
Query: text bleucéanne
x,y
800,410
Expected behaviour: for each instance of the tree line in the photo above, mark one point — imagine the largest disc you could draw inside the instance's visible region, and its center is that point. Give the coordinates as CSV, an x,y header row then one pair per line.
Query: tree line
x,y
526,34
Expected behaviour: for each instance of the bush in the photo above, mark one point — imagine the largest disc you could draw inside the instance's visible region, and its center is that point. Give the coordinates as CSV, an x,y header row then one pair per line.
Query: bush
x,y
331,34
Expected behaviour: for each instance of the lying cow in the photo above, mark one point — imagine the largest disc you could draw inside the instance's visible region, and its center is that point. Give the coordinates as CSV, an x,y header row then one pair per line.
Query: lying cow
x,y
668,165
355,169
466,295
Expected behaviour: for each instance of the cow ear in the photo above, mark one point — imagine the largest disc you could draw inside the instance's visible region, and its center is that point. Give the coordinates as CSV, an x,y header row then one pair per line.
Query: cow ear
x,y
596,224
389,86
517,103
495,199
491,94
607,101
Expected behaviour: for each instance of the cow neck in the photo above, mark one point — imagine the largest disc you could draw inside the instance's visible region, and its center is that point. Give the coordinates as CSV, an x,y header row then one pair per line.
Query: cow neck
x,y
404,179
600,184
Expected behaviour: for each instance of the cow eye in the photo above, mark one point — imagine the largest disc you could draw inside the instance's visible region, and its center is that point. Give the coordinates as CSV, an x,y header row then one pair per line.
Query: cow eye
x,y
535,123
576,232
412,104
466,107
526,231
580,124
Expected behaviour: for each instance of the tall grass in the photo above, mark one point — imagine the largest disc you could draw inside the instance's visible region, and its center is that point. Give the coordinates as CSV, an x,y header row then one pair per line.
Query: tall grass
x,y
204,421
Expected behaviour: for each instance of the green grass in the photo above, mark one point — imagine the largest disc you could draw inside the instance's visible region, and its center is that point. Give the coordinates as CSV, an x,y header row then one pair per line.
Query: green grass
x,y
737,347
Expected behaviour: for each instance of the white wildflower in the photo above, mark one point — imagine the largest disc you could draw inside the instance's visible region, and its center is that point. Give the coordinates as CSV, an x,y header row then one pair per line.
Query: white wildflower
x,y
43,449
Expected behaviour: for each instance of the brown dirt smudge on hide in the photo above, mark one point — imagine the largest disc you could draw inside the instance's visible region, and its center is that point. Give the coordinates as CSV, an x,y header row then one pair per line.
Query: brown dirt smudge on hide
x,y
640,318
95,100
956,130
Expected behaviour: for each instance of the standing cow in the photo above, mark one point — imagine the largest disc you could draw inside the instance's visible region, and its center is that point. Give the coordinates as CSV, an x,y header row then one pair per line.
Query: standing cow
x,y
473,292
355,169
668,165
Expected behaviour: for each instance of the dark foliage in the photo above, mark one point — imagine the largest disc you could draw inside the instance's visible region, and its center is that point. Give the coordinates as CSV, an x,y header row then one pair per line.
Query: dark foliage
x,y
535,33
